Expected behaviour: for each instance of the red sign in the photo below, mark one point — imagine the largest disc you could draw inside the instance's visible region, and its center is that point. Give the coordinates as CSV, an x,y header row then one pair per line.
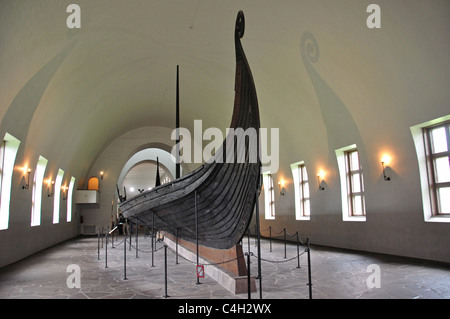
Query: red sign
x,y
200,271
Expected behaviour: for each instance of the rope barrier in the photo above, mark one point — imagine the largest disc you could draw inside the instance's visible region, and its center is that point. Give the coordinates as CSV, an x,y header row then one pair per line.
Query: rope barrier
x,y
208,264
280,261
248,254
146,251
271,231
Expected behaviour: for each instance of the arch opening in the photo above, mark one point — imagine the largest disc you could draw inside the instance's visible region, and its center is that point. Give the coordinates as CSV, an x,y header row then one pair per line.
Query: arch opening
x,y
139,172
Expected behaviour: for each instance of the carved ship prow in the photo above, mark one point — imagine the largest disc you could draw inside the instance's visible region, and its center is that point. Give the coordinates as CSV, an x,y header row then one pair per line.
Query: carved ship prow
x,y
214,203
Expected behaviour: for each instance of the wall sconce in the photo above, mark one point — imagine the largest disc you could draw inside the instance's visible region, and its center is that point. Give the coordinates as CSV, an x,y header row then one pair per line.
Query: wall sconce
x,y
64,189
320,179
385,160
50,188
101,174
27,171
281,184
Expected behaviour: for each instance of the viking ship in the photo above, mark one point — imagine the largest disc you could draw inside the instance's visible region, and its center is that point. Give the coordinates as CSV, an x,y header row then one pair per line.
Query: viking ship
x,y
213,204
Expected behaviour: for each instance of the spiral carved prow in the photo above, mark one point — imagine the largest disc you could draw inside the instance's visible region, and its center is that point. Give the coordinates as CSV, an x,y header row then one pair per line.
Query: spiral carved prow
x,y
240,25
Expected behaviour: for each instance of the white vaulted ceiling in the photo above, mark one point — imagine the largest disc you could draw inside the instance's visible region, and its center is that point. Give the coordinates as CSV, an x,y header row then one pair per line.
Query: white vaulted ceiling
x,y
68,93
89,99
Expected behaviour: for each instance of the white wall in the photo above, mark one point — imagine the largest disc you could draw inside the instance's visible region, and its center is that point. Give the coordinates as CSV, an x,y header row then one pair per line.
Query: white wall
x,y
112,160
79,99
21,239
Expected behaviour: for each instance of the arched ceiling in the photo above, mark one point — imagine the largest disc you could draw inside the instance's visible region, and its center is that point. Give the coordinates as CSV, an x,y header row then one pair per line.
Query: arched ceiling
x,y
142,176
68,93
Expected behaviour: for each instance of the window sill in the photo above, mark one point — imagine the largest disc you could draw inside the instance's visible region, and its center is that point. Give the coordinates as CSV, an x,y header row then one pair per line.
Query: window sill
x,y
355,219
438,219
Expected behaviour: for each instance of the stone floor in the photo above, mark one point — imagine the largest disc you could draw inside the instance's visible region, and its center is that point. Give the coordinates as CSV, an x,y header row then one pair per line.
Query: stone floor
x,y
336,274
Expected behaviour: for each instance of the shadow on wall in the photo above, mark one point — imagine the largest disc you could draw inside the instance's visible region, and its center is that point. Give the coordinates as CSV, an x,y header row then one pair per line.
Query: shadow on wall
x,y
27,100
339,123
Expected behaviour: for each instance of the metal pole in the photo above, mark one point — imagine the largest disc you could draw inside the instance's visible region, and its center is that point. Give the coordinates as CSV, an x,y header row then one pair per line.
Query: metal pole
x,y
284,242
298,252
176,248
309,268
249,291
124,258
196,230
112,239
129,230
98,245
248,238
137,228
165,271
153,230
270,237
258,234
177,126
106,251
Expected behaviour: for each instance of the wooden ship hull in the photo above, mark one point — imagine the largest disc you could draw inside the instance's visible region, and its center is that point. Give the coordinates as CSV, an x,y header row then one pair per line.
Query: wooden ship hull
x,y
213,204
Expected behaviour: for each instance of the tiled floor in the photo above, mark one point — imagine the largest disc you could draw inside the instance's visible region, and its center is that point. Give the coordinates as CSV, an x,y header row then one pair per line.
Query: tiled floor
x,y
336,274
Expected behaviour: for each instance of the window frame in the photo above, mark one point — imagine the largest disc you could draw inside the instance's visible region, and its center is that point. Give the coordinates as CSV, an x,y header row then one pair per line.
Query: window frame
x,y
352,194
346,193
70,199
431,156
420,143
57,196
300,183
2,160
10,147
269,196
38,180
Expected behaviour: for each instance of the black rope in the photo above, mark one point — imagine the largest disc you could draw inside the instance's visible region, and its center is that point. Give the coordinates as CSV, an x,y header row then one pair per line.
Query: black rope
x,y
280,261
212,264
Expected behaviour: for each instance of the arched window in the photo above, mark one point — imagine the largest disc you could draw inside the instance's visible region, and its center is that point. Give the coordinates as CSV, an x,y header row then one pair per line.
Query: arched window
x,y
269,196
8,151
93,183
56,197
37,191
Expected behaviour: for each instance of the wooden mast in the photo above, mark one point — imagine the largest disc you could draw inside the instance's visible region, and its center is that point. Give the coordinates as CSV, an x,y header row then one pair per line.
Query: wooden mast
x,y
177,126
158,179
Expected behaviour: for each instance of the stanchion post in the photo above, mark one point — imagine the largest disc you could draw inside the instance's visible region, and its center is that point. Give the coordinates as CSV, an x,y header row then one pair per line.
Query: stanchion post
x,y
106,250
98,244
248,238
309,268
298,251
284,230
258,236
129,230
124,258
270,238
112,239
196,230
165,271
153,231
137,234
176,247
249,291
